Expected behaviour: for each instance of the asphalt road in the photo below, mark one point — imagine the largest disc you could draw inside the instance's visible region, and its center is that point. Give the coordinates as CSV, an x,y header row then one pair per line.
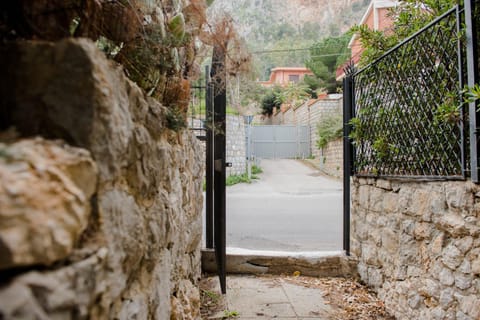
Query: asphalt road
x,y
291,208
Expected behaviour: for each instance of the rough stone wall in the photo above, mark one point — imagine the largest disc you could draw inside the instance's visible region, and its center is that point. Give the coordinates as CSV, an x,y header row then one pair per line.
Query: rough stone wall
x,y
418,245
302,114
235,145
318,110
277,118
132,249
289,117
309,114
331,159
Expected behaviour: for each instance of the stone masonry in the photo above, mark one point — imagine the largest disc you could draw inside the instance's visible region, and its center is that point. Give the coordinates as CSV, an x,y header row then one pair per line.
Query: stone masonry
x,y
235,145
418,246
106,222
330,159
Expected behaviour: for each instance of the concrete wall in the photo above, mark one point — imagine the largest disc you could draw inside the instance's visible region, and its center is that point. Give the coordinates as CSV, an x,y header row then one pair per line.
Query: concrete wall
x,y
418,245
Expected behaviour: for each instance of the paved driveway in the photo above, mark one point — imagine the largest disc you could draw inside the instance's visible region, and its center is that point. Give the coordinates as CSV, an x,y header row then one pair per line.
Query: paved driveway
x,y
291,208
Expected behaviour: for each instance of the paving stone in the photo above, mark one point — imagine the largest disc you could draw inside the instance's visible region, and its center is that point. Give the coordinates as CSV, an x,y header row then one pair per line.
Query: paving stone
x,y
307,302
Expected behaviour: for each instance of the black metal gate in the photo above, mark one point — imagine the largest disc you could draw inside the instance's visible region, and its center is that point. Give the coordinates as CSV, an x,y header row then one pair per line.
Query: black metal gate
x,y
208,120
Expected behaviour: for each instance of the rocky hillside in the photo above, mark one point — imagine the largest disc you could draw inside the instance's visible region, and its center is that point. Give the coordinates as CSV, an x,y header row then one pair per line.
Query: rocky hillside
x,y
277,25
255,19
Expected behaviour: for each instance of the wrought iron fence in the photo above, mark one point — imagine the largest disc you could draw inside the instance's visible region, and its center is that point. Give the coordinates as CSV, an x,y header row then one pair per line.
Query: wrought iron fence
x,y
407,107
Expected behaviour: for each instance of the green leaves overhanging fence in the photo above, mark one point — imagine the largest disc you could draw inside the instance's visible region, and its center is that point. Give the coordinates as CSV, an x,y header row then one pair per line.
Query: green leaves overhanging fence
x,y
408,107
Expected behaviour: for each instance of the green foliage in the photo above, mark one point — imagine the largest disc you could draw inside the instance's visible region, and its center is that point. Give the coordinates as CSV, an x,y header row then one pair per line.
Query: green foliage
x,y
293,94
177,26
472,93
243,178
326,56
409,17
238,178
270,101
175,119
329,128
213,296
251,92
256,169
230,314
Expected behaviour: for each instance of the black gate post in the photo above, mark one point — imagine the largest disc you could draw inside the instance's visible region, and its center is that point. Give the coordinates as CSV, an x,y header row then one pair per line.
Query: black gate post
x,y
219,75
472,68
208,161
347,159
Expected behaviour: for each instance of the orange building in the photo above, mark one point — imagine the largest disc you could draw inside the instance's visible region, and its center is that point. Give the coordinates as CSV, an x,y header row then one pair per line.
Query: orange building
x,y
282,76
376,18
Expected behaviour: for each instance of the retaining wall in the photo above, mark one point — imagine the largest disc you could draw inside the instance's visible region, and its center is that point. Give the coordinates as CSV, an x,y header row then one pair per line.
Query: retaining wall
x,y
309,114
235,145
418,245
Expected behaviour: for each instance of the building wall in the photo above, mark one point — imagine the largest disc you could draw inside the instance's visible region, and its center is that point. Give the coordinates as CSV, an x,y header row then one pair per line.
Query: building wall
x,y
418,246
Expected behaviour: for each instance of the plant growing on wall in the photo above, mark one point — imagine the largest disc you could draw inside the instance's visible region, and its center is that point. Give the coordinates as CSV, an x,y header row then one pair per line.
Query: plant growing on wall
x,y
329,128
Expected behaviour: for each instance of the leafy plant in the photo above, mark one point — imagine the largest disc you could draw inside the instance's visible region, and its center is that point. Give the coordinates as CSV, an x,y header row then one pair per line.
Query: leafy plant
x,y
256,169
211,295
408,17
230,314
329,128
326,56
243,178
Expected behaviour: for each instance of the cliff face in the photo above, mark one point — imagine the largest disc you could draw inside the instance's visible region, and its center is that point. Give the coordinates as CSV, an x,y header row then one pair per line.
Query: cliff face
x,y
254,18
101,200
272,28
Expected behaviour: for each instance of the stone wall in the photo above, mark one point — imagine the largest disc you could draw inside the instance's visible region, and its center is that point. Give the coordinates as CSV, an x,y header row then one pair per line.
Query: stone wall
x,y
309,114
318,110
235,145
418,245
331,158
105,223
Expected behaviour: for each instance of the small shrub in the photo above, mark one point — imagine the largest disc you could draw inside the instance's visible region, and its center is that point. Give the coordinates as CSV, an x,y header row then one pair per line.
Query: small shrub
x,y
329,129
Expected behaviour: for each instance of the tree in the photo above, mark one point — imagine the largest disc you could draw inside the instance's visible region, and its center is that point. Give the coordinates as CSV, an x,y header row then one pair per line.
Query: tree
x,y
325,57
292,94
270,101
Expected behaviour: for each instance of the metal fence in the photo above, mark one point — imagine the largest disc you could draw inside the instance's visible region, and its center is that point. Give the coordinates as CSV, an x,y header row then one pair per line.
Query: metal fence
x,y
408,114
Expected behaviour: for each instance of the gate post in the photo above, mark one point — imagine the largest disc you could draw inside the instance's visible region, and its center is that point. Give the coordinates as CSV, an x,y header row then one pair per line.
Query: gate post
x,y
347,158
218,78
472,68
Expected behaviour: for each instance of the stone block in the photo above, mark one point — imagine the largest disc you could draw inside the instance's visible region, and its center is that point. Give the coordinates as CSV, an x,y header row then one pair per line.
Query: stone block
x,y
452,257
45,190
451,223
446,277
463,281
469,305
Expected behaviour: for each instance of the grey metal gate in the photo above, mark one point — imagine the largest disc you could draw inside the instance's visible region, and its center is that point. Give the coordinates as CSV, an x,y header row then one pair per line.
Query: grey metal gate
x,y
280,142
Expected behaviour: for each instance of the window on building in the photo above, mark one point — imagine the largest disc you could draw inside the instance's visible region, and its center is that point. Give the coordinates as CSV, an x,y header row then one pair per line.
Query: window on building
x,y
293,78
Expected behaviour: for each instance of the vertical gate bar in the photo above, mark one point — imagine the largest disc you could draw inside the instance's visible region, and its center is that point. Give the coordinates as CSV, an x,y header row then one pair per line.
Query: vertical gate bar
x,y
219,105
347,153
472,70
463,141
208,161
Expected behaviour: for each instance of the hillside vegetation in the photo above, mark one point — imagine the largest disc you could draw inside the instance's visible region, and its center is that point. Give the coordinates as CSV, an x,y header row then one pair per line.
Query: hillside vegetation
x,y
280,25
